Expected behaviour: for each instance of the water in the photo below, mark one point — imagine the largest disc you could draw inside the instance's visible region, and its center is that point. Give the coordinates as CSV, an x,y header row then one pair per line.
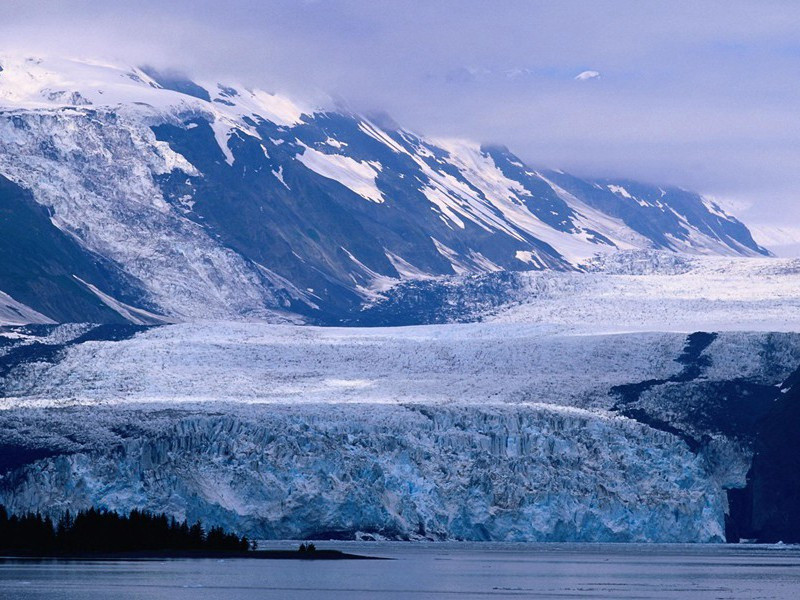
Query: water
x,y
465,570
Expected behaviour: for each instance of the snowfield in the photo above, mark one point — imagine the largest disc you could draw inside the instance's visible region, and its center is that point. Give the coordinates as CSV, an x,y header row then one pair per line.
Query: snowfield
x,y
257,363
464,364
630,292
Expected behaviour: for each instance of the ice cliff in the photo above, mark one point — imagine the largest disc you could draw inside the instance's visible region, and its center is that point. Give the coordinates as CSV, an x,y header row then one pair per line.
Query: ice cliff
x,y
403,472
481,431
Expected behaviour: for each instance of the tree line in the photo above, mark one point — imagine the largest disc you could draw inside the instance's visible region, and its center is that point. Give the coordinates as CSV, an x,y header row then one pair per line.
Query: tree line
x,y
104,531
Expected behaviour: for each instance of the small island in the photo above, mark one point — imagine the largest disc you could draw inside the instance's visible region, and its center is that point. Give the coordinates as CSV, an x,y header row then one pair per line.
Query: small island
x,y
102,534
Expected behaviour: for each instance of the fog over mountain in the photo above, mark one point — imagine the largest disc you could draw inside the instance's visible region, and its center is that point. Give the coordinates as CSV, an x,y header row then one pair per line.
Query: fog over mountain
x,y
703,97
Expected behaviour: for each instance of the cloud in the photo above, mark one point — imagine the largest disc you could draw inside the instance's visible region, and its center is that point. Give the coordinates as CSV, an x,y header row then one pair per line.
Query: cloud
x,y
702,95
587,75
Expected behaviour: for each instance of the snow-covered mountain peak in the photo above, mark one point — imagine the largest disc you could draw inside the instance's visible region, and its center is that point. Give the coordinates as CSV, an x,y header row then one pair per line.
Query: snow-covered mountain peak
x,y
38,82
48,83
222,200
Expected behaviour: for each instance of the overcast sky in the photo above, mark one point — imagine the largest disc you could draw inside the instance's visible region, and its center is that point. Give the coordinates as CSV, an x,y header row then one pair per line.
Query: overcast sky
x,y
700,94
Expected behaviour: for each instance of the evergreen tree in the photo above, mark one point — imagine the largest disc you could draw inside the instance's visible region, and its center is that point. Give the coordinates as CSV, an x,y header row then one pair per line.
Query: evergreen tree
x,y
96,530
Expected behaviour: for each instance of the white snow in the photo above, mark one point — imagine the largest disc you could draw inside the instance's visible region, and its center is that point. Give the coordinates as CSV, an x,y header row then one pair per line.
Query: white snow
x,y
278,109
223,132
16,313
459,265
376,132
130,313
279,175
405,268
632,293
621,191
622,236
375,282
48,83
336,143
713,207
358,176
526,257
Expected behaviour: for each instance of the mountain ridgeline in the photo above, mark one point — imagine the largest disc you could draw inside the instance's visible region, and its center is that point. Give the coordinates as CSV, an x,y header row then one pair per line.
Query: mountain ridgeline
x,y
153,198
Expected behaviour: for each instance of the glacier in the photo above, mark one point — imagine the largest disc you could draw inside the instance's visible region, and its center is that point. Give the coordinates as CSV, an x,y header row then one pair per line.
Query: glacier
x,y
475,431
520,473
606,350
98,180
622,292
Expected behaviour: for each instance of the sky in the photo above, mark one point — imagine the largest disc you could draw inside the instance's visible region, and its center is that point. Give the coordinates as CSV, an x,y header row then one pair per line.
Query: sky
x,y
704,95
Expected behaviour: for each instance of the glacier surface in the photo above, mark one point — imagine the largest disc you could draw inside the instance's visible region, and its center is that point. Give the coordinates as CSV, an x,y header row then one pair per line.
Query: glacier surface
x,y
578,409
478,431
407,471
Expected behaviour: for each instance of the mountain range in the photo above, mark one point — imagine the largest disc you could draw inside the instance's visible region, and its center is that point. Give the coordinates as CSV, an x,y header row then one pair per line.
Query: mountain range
x,y
595,359
129,194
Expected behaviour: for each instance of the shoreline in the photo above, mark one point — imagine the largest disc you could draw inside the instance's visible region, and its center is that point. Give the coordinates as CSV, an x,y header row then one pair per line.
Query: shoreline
x,y
199,554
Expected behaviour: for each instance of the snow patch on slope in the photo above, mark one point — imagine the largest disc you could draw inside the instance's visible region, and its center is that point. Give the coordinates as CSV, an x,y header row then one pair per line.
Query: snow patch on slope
x,y
16,313
132,314
358,176
622,236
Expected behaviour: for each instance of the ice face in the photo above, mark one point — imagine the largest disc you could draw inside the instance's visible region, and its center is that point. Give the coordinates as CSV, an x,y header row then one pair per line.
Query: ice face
x,y
491,473
479,431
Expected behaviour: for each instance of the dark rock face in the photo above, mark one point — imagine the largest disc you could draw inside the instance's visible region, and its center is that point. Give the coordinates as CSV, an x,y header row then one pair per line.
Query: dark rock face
x,y
758,415
648,216
40,264
177,82
694,408
768,509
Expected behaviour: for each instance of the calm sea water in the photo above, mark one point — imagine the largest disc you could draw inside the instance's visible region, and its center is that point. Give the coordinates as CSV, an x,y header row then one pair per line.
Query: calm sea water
x,y
430,571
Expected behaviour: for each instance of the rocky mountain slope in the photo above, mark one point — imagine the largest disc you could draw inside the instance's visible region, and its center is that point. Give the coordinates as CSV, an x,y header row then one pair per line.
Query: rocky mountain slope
x,y
155,198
